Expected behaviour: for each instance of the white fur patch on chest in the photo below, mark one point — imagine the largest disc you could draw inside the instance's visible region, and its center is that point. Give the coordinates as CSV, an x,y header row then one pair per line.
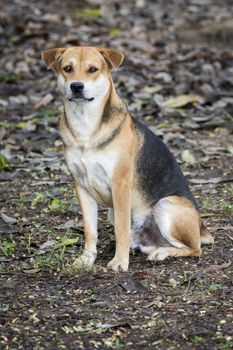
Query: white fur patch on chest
x,y
93,171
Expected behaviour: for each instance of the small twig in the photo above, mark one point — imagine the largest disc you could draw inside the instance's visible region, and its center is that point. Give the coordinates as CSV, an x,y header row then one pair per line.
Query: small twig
x,y
174,328
188,286
217,267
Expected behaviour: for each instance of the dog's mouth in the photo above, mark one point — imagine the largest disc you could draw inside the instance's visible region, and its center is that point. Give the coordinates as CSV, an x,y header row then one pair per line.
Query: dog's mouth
x,y
80,98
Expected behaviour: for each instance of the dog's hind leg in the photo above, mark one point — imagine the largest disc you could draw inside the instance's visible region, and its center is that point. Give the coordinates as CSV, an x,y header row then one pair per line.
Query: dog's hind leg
x,y
179,224
146,234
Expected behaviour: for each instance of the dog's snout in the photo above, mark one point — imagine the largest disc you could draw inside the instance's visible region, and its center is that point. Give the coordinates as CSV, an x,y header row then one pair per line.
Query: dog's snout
x,y
77,86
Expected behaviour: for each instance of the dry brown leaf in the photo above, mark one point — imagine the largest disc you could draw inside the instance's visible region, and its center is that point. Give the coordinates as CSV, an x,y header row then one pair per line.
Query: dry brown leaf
x,y
44,101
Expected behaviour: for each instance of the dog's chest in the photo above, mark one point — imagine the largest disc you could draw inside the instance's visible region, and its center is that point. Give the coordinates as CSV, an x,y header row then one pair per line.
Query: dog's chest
x,y
93,171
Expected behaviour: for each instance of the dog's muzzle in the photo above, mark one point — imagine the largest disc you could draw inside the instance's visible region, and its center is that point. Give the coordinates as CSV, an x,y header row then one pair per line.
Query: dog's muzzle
x,y
77,91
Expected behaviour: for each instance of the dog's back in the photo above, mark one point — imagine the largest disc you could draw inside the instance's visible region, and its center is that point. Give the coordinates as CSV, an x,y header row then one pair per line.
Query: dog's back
x,y
158,171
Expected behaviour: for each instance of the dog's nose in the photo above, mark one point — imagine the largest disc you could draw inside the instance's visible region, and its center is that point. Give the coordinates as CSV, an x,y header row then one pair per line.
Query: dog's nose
x,y
77,87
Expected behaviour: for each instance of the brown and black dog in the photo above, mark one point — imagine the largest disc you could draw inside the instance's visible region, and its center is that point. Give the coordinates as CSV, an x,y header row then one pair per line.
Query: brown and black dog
x,y
119,163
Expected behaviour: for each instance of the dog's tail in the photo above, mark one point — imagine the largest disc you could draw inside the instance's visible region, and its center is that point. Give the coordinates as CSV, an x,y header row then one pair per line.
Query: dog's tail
x,y
206,237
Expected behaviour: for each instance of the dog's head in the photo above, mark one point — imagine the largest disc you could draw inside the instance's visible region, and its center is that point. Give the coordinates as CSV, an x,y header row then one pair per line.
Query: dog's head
x,y
83,72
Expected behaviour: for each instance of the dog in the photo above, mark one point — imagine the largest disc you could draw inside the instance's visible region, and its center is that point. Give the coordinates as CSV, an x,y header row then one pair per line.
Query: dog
x,y
117,162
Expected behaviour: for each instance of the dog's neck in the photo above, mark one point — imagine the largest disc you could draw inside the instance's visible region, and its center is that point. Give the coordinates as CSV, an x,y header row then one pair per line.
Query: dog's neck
x,y
86,119
83,117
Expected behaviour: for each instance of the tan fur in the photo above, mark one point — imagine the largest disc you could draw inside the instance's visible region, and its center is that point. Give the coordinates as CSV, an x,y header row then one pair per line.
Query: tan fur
x,y
51,57
70,136
162,253
184,232
90,225
185,226
206,237
124,195
121,193
78,58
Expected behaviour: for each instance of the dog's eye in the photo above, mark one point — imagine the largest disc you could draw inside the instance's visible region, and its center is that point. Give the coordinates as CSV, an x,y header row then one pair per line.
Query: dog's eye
x,y
68,69
92,69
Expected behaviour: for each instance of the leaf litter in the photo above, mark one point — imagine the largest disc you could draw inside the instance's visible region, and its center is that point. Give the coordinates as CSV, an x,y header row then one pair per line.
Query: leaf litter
x,y
172,50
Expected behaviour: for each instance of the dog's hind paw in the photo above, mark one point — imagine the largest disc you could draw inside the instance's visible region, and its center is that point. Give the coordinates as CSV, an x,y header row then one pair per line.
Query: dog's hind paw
x,y
118,265
158,254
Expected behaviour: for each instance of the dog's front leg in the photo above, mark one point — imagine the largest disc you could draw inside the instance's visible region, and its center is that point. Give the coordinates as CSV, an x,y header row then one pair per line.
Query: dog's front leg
x,y
89,211
121,194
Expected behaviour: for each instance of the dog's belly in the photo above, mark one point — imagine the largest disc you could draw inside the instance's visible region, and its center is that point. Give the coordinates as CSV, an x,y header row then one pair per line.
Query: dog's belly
x,y
93,172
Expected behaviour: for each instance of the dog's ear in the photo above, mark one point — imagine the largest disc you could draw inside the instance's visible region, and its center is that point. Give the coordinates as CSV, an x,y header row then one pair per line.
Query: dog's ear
x,y
50,57
113,57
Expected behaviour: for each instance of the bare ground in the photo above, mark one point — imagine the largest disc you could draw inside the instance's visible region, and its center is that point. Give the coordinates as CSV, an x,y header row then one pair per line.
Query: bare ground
x,y
176,304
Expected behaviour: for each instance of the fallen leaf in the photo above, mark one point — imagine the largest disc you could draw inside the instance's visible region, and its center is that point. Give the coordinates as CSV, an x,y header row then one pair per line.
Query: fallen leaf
x,y
103,301
18,100
29,126
4,259
3,162
151,89
47,245
7,219
38,198
33,318
31,271
214,287
68,224
180,101
65,242
55,204
44,101
230,149
164,76
173,282
6,152
187,157
133,286
22,67
88,13
115,31
156,301
214,180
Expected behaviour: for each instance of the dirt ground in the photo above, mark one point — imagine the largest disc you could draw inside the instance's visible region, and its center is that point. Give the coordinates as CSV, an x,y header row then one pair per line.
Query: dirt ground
x,y
173,49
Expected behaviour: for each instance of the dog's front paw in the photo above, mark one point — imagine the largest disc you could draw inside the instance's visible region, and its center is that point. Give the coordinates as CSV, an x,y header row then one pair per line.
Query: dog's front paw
x,y
118,265
87,259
